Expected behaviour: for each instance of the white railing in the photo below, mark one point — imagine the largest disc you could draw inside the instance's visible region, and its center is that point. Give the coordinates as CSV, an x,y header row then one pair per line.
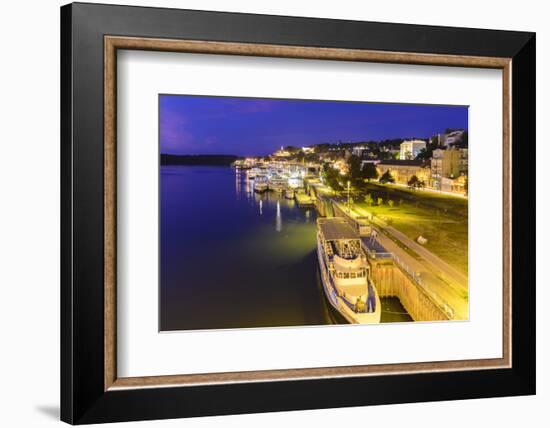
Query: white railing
x,y
415,276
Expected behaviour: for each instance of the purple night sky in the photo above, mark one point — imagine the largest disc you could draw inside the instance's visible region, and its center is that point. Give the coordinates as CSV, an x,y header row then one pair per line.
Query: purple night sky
x,y
193,125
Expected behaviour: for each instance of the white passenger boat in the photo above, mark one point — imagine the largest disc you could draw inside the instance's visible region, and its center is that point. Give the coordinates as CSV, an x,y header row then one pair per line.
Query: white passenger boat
x,y
345,272
303,199
277,183
260,184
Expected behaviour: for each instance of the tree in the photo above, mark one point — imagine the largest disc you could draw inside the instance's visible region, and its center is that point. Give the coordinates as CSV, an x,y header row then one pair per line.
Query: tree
x,y
368,199
321,148
369,171
465,139
386,178
385,155
415,183
299,156
354,164
332,177
426,153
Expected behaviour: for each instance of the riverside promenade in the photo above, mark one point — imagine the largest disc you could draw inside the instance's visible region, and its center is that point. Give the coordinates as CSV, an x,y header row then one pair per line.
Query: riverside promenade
x,y
446,286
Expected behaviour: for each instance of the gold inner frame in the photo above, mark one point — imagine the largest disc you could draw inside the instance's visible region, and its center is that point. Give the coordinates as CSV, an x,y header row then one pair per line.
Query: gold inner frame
x,y
113,43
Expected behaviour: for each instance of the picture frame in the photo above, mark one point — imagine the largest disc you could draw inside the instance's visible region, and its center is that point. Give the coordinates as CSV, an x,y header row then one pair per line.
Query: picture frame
x,y
91,35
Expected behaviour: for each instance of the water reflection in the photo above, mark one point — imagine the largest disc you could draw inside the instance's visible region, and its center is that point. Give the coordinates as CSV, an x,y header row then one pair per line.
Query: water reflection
x,y
279,220
238,183
224,265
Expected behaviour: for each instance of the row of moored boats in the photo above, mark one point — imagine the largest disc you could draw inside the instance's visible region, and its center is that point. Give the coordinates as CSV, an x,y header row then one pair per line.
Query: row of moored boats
x,y
343,263
280,181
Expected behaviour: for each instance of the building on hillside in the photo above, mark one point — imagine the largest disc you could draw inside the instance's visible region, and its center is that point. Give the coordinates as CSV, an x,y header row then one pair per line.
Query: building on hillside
x,y
403,170
447,166
410,149
281,153
463,161
450,138
359,150
454,185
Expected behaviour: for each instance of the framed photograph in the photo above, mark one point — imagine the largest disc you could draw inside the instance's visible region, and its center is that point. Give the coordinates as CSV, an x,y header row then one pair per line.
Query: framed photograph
x,y
265,213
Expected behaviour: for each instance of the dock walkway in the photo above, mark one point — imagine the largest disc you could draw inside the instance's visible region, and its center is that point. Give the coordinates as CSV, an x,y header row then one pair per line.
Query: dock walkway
x,y
436,277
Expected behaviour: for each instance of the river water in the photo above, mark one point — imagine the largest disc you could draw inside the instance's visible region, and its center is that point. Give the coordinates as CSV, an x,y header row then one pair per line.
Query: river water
x,y
231,258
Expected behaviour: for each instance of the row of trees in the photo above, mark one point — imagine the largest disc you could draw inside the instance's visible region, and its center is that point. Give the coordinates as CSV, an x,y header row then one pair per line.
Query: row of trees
x,y
332,177
357,175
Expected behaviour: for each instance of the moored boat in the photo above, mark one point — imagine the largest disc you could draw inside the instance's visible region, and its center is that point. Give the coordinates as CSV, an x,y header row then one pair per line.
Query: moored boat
x,y
260,184
277,183
303,199
345,272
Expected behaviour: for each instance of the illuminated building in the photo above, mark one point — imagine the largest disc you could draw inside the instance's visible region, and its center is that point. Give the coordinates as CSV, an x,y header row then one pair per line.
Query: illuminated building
x,y
403,170
410,149
281,153
445,164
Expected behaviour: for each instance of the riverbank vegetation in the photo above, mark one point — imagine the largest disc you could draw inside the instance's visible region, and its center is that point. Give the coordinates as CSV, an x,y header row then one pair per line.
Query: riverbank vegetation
x,y
440,219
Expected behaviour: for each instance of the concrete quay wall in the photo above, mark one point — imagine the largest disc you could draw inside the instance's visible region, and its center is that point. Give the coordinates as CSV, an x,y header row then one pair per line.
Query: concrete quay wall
x,y
390,281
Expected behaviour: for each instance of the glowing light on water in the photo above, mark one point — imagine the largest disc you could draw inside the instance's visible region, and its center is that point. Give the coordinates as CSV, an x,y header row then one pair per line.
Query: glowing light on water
x,y
238,183
261,205
278,220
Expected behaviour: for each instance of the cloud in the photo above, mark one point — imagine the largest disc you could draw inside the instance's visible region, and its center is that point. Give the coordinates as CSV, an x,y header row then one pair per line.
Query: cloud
x,y
175,135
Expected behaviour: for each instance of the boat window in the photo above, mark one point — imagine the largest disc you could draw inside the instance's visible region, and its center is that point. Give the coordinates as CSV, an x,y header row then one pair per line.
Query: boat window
x,y
346,275
352,275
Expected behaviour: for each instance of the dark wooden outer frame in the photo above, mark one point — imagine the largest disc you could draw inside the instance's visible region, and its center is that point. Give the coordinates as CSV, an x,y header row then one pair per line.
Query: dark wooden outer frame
x,y
90,391
114,43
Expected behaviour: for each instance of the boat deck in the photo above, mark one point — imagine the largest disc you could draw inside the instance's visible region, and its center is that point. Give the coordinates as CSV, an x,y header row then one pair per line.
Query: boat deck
x,y
335,228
